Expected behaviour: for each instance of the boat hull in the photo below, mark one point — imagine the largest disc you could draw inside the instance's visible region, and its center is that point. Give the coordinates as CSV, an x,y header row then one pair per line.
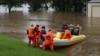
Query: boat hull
x,y
65,42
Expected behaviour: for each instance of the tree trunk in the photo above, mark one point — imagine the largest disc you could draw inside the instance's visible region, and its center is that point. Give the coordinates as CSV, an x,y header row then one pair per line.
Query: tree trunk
x,y
9,8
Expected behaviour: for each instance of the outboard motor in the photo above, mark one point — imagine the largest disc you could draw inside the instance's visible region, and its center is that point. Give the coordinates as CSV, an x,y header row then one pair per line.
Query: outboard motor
x,y
71,30
76,32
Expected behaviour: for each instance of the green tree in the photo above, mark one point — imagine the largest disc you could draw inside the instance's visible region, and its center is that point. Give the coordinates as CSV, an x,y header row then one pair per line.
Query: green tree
x,y
34,4
37,4
59,4
45,2
12,3
69,5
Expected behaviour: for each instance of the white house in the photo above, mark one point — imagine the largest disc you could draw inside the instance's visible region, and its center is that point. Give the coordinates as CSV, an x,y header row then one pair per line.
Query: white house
x,y
93,8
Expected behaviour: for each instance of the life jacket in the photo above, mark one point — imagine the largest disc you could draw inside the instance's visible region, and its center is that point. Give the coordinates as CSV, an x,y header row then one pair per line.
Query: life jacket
x,y
40,28
38,34
51,35
30,31
48,41
67,34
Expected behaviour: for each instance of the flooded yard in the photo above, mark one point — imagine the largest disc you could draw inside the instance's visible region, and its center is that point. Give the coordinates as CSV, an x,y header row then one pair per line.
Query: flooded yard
x,y
15,24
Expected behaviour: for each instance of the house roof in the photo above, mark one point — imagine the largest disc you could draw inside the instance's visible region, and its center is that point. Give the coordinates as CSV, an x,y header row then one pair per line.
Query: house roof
x,y
94,1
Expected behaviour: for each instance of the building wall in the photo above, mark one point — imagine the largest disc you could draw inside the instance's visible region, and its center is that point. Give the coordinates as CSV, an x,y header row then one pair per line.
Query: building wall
x,y
93,10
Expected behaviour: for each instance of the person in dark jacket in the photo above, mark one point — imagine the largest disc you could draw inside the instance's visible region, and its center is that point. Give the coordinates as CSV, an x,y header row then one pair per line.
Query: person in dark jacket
x,y
43,32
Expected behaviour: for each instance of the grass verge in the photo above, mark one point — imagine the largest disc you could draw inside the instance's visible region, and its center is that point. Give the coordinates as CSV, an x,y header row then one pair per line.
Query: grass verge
x,y
15,47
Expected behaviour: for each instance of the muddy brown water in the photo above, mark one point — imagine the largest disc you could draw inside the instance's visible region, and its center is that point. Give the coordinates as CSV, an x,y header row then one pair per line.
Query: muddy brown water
x,y
15,24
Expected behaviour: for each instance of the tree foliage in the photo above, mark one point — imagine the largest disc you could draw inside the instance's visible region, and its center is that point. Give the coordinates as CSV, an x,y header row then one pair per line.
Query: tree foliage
x,y
34,4
37,4
60,5
11,3
69,5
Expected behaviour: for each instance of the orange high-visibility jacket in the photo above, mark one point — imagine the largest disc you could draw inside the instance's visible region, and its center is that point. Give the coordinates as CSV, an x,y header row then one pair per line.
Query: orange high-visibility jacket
x,y
51,35
38,35
67,34
30,31
48,43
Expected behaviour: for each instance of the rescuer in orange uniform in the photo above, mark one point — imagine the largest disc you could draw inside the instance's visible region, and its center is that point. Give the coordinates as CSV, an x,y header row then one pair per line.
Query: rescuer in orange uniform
x,y
37,34
48,41
67,34
30,33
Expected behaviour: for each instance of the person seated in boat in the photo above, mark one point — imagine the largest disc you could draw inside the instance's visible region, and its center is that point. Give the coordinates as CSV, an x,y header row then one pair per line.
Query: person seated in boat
x,y
67,34
48,41
64,26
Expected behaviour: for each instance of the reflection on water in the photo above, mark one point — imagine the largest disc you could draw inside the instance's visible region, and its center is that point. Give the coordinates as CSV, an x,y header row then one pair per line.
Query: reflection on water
x,y
16,23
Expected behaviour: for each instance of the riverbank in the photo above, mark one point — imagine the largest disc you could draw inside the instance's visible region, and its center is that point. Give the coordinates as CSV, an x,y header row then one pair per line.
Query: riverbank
x,y
15,47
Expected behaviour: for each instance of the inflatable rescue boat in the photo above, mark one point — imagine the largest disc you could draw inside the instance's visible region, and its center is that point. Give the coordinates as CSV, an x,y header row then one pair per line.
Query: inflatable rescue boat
x,y
64,42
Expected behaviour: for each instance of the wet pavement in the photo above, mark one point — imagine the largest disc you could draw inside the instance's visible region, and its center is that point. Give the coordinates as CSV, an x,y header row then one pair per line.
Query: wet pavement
x,y
15,24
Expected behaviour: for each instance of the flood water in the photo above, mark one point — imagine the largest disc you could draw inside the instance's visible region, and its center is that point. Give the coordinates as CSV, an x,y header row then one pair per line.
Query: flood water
x,y
15,24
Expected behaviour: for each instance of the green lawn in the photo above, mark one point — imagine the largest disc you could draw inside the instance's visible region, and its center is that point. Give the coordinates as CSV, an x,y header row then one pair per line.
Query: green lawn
x,y
15,47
